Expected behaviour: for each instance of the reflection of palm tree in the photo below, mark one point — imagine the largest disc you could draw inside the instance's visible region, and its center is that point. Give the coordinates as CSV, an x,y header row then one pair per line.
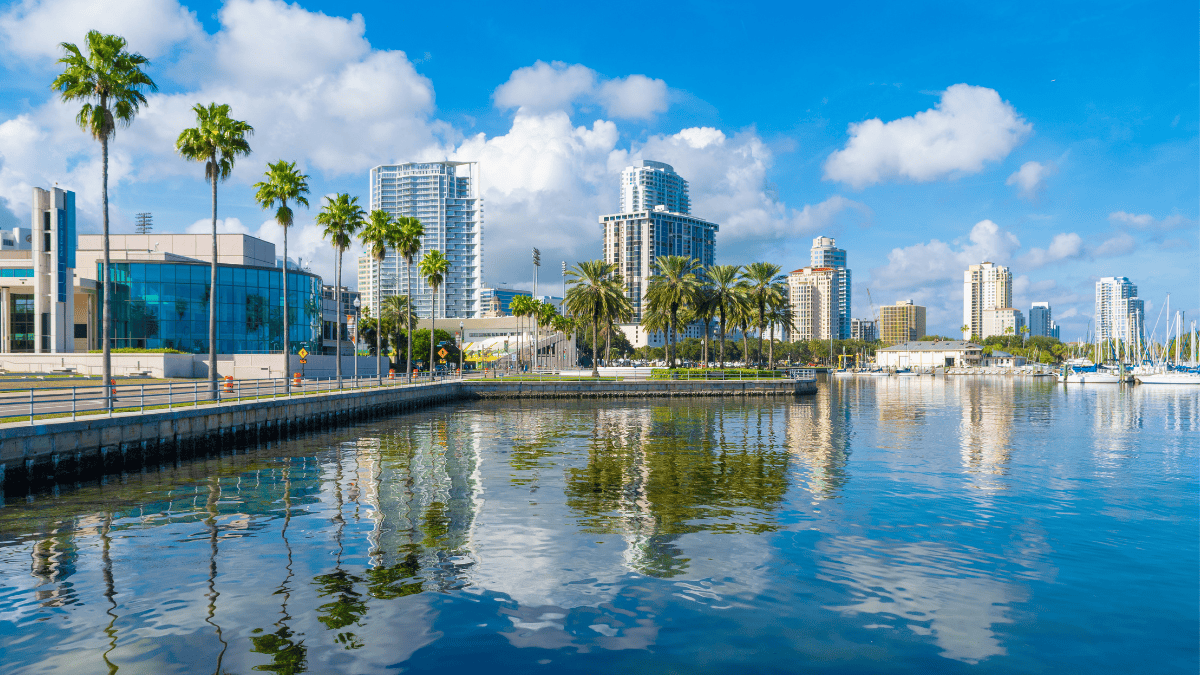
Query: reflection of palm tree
x,y
288,656
109,590
348,607
214,495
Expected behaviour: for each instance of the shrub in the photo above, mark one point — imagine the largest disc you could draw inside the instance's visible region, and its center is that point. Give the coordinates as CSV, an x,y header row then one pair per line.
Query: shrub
x,y
710,373
135,350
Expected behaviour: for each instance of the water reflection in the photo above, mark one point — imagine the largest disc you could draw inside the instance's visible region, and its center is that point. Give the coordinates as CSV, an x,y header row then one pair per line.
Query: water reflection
x,y
818,434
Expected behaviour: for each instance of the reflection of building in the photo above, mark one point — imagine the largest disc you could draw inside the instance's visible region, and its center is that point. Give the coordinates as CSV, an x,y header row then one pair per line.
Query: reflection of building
x,y
1002,321
901,322
825,253
985,286
863,329
444,196
813,296
821,442
655,221
1120,315
930,354
160,293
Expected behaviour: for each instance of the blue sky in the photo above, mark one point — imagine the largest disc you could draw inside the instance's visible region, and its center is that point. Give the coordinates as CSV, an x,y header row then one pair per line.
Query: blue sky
x,y
1060,139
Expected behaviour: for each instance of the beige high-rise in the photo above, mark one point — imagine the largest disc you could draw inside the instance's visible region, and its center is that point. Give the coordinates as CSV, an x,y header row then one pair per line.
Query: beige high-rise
x,y
901,322
985,286
813,293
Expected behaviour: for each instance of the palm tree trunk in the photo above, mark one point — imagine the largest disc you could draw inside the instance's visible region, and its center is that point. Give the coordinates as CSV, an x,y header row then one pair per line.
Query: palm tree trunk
x,y
212,293
722,336
704,360
379,323
595,346
337,300
761,327
432,328
412,310
671,341
106,329
771,344
287,343
745,346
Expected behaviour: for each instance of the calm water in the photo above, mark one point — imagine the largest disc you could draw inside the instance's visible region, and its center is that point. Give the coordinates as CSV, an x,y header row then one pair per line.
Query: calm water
x,y
896,525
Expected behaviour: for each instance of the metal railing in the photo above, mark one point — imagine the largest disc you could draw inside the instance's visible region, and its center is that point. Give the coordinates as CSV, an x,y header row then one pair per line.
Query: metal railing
x,y
29,405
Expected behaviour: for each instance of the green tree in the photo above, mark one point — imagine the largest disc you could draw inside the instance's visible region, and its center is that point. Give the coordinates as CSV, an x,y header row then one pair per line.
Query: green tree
x,y
763,286
109,81
283,183
779,312
408,245
434,267
217,140
341,217
375,236
520,307
594,291
672,287
399,315
723,279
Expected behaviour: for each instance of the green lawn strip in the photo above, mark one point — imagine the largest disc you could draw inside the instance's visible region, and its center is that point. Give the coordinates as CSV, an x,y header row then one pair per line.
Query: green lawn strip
x,y
714,374
582,378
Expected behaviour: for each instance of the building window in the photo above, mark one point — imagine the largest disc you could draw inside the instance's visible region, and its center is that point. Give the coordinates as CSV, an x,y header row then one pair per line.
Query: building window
x,y
81,331
21,324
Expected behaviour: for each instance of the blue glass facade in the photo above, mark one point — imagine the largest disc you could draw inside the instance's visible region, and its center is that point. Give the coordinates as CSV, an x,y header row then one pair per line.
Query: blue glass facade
x,y
159,305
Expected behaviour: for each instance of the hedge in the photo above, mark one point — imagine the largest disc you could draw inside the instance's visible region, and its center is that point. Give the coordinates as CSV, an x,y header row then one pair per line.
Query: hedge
x,y
710,373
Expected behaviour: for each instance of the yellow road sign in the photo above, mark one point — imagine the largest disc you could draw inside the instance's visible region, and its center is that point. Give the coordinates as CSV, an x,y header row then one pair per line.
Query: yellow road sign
x,y
303,353
442,353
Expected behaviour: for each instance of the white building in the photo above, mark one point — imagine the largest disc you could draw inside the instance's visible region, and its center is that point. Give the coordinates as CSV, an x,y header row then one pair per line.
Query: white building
x,y
930,354
813,294
825,253
444,196
634,239
1002,321
985,286
646,184
1120,315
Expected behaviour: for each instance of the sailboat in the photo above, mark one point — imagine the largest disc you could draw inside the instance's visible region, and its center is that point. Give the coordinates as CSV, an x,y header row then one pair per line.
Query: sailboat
x,y
1168,371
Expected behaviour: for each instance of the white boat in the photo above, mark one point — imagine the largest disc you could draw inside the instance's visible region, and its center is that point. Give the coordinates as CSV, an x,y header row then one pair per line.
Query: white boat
x,y
1090,377
1170,377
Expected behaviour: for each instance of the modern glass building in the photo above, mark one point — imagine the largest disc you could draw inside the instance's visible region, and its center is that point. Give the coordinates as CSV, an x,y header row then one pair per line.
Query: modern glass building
x,y
159,305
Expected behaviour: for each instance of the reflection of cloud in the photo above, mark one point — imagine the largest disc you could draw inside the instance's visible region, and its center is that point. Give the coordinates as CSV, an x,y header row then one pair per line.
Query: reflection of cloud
x,y
928,588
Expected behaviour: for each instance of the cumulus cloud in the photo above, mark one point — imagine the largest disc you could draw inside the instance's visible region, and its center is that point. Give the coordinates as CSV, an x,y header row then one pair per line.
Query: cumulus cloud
x,y
1064,246
556,86
1148,223
1030,178
224,226
33,29
968,127
912,267
1116,245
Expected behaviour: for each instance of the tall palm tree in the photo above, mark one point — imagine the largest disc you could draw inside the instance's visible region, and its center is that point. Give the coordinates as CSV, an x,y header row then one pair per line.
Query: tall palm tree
x,y
591,293
545,316
742,316
217,140
399,313
521,306
564,325
283,183
673,286
341,217
375,237
779,312
109,80
705,307
723,280
434,267
408,244
763,281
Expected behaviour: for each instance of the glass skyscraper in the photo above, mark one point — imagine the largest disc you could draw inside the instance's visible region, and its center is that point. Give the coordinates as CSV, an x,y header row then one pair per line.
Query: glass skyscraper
x,y
444,197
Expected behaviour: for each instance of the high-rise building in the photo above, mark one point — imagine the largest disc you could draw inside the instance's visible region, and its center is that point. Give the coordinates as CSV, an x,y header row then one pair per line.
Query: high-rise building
x,y
901,322
1002,321
646,184
1120,315
825,253
444,196
1041,320
985,286
634,239
813,294
863,329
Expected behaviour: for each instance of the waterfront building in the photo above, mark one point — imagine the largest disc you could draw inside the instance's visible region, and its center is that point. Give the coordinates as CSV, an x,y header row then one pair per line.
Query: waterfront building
x,y
635,238
813,297
331,308
444,196
863,329
1002,321
902,322
1041,320
646,184
930,354
825,253
985,286
1120,314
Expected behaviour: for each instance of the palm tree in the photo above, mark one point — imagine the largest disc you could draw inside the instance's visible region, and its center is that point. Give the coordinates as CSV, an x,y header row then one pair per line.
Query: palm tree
x,y
656,319
342,216
964,328
109,81
763,284
779,312
592,292
705,307
375,237
673,286
398,312
565,325
216,140
724,280
520,306
434,267
408,244
742,316
284,183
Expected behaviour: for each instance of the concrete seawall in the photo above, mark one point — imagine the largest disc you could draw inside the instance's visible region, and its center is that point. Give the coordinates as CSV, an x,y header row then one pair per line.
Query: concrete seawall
x,y
64,451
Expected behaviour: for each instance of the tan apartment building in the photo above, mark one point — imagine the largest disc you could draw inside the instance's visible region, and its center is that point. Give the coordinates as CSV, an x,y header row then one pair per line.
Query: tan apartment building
x,y
985,286
813,294
901,322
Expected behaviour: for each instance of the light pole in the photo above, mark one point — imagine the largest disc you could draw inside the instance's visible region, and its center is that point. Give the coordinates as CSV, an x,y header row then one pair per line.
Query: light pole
x,y
357,304
537,262
461,341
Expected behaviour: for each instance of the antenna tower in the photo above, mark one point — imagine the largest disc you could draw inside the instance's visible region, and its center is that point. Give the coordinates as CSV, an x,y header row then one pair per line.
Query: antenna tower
x,y
143,223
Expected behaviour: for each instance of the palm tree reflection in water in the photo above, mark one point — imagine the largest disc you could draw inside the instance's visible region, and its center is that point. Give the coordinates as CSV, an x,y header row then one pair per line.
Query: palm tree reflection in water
x,y
288,656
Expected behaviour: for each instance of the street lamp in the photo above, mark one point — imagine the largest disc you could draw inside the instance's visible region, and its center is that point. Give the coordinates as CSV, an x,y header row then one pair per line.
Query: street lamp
x,y
357,304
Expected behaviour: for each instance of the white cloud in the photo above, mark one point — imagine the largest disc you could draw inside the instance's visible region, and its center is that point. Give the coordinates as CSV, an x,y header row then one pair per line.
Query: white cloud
x,y
1063,246
1030,178
556,86
1116,245
1148,223
968,127
224,226
33,29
